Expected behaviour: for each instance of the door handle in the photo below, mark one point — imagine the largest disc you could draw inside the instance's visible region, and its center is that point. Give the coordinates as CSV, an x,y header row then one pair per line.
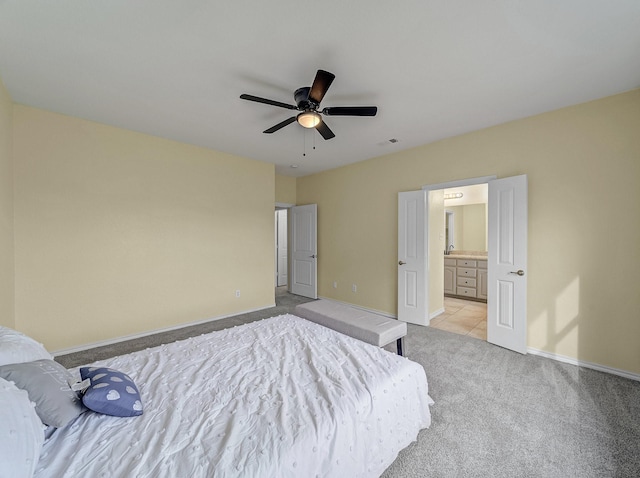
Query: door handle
x,y
401,263
520,272
313,256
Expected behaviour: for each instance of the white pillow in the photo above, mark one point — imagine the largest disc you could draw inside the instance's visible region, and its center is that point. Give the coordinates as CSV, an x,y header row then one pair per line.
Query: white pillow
x,y
16,347
21,432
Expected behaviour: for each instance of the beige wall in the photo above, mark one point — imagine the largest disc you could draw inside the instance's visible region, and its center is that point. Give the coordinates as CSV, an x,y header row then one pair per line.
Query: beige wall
x,y
583,166
118,233
285,189
6,210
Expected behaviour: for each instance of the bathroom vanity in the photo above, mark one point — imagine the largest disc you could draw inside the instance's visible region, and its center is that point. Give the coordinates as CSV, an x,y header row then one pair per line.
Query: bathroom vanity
x,y
465,276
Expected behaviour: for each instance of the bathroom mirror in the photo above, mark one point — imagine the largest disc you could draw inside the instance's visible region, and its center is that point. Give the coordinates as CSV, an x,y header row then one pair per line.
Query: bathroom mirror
x,y
466,218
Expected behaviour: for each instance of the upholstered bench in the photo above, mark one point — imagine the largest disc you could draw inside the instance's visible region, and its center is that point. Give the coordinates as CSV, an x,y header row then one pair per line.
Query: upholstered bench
x,y
366,326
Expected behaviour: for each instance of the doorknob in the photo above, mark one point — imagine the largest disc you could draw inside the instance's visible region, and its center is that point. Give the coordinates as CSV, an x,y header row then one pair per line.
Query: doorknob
x,y
401,263
313,256
520,272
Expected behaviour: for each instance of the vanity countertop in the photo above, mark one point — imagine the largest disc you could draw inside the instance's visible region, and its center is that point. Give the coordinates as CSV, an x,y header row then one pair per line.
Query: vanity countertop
x,y
473,257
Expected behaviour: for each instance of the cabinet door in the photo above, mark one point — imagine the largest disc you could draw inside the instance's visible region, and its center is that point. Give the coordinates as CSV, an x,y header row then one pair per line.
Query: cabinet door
x,y
449,280
482,284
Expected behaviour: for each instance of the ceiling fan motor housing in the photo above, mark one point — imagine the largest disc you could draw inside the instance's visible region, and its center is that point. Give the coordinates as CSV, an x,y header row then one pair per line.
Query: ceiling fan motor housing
x,y
301,97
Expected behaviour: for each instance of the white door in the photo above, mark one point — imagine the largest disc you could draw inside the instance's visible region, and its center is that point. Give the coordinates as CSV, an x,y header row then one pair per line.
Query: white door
x,y
303,224
412,259
507,263
281,247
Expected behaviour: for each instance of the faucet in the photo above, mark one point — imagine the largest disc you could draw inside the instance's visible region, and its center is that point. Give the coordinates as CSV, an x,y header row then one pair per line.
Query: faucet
x,y
448,251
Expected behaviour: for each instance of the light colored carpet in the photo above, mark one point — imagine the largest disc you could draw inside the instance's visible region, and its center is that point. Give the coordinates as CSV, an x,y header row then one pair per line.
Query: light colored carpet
x,y
496,413
501,414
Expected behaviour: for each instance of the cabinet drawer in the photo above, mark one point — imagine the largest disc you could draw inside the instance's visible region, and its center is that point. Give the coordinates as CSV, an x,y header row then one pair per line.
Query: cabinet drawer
x,y
466,263
466,291
464,272
449,262
466,282
482,264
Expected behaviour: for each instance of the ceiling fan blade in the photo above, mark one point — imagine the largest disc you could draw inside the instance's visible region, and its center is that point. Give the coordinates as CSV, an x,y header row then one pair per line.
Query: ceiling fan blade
x,y
320,85
257,99
350,111
324,130
281,125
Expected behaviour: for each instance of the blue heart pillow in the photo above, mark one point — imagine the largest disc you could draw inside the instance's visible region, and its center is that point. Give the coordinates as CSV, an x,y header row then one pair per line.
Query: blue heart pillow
x,y
111,392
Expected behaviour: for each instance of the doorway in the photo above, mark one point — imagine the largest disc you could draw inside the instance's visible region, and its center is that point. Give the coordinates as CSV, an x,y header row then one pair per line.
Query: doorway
x,y
281,256
465,262
296,254
506,259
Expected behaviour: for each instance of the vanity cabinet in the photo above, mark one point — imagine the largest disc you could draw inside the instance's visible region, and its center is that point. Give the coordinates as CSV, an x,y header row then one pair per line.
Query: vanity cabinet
x,y
465,278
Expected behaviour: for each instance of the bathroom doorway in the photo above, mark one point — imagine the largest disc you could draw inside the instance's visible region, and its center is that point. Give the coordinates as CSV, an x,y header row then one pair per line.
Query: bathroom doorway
x,y
465,262
506,257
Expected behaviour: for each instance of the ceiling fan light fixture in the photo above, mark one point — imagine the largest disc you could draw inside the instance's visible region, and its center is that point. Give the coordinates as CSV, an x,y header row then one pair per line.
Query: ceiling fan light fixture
x,y
309,119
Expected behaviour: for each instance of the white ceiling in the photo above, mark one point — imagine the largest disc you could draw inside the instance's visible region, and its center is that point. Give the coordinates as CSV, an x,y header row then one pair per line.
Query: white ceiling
x,y
434,68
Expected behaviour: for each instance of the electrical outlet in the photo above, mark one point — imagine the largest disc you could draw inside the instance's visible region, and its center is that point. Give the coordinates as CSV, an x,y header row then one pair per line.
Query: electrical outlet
x,y
354,288
335,284
238,293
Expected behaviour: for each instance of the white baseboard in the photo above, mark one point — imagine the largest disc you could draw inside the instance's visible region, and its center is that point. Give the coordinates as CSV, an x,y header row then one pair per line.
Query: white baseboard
x,y
582,363
102,343
435,314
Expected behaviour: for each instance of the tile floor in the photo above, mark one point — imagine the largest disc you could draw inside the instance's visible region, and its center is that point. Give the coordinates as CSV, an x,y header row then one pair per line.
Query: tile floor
x,y
465,317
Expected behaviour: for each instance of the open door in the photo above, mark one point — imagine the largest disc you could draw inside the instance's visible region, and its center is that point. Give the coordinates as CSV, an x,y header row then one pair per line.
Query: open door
x,y
412,258
507,263
303,224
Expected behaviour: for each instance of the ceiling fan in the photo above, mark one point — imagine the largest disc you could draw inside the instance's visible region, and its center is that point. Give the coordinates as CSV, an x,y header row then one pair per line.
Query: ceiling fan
x,y
308,102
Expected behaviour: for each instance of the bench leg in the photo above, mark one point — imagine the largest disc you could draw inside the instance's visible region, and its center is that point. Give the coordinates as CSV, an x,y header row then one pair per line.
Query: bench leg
x,y
400,346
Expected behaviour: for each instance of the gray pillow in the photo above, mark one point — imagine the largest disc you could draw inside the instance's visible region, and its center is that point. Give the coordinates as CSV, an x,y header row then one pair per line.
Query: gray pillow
x,y
47,383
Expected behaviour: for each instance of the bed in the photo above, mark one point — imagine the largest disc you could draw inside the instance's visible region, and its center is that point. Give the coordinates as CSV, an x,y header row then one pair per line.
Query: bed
x,y
275,398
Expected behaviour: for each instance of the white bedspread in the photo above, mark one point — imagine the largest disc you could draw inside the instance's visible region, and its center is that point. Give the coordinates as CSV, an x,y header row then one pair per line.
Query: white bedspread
x,y
282,397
